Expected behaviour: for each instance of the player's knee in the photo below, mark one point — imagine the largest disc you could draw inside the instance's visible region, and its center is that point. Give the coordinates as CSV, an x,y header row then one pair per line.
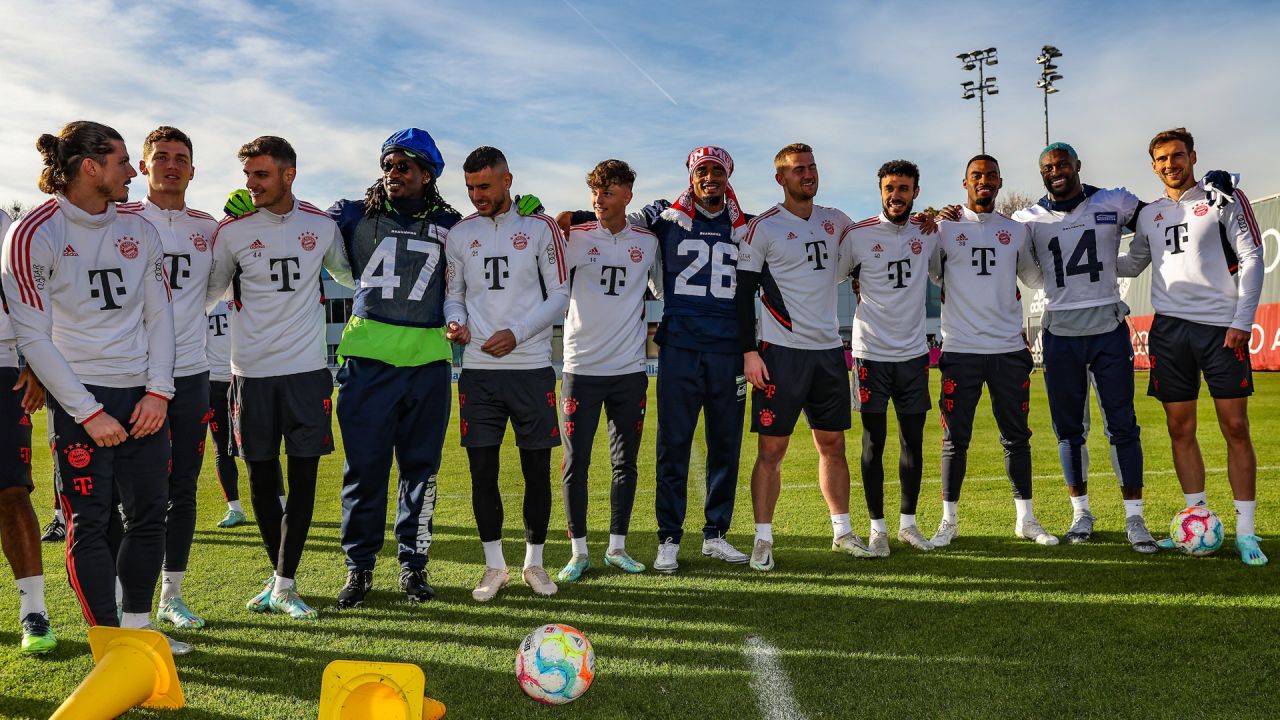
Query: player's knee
x,y
1235,429
830,444
1182,428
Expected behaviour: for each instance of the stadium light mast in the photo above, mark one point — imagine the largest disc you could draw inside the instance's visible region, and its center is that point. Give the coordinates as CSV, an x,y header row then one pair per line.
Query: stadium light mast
x,y
1048,74
979,59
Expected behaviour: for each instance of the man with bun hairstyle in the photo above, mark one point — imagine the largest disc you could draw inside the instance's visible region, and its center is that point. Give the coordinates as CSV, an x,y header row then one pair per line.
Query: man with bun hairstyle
x,y
396,376
90,304
281,385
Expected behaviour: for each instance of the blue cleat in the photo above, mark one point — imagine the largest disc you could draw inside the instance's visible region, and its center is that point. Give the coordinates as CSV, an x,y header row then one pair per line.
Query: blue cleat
x,y
1250,553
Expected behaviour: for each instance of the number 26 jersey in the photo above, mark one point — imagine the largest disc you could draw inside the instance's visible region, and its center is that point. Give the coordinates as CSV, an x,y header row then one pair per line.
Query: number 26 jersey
x,y
1077,249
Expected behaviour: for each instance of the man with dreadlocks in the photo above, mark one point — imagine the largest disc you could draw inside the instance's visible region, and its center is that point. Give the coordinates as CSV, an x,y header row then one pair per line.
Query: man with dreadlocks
x,y
395,378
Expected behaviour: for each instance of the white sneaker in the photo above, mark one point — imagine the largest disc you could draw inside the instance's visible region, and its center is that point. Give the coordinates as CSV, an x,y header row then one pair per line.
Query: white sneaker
x,y
720,549
536,577
948,530
666,561
494,579
1031,529
878,543
762,556
912,536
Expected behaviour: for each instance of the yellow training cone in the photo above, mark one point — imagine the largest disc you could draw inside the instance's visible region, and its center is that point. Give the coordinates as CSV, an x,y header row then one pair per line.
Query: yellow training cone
x,y
134,667
352,690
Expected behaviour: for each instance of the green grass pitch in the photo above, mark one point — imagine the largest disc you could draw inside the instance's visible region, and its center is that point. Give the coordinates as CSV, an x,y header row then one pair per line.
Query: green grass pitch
x,y
993,626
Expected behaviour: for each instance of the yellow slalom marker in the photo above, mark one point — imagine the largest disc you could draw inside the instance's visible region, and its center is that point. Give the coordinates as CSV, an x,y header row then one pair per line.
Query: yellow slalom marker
x,y
133,667
354,690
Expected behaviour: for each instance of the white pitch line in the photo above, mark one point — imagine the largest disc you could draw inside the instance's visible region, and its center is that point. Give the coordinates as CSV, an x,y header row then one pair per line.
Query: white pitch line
x,y
772,686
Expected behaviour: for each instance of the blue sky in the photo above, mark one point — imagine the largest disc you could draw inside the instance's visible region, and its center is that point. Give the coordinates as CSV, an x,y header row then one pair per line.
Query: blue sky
x,y
551,84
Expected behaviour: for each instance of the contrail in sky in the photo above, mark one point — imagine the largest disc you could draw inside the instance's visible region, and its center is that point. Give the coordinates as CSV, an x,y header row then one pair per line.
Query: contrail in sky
x,y
620,52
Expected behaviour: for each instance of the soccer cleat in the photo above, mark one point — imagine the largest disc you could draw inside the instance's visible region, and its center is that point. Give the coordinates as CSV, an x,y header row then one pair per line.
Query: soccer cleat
x,y
232,519
37,635
1135,528
262,601
415,584
720,549
176,647
1250,553
359,583
1031,529
55,531
878,543
573,570
667,562
1081,528
762,556
851,544
494,579
175,611
624,562
536,577
912,536
292,604
948,530
1166,544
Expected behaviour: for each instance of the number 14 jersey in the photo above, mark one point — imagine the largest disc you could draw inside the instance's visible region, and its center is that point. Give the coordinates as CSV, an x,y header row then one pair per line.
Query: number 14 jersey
x,y
1077,249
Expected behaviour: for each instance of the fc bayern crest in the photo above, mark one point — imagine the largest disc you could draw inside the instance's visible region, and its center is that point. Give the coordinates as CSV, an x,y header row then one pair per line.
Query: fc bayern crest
x,y
570,405
636,254
79,455
1004,237
829,227
519,241
127,247
1201,209
197,240
766,417
308,241
916,246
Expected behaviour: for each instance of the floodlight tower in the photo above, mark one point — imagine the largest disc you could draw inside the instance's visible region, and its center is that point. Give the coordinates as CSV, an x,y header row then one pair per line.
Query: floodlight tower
x,y
979,59
1048,74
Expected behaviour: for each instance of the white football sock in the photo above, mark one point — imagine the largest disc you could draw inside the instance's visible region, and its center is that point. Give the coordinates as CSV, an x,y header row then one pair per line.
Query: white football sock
x,y
841,525
1195,499
1244,517
1023,509
764,531
1080,504
906,521
283,501
879,526
119,592
31,596
579,546
1133,507
617,542
493,554
235,505
135,620
532,555
170,586
281,587
951,510
57,515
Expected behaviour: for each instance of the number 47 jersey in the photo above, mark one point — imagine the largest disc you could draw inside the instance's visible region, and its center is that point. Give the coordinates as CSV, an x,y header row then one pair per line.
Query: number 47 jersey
x,y
1077,250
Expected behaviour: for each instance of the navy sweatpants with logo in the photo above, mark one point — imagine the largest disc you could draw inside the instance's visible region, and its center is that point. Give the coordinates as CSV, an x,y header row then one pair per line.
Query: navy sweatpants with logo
x,y
692,382
387,411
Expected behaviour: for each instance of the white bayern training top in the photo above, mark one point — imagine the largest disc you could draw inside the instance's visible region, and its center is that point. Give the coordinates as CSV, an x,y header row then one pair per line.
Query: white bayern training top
x,y
796,259
979,262
604,332
275,262
1207,262
187,236
1077,250
218,341
892,265
90,302
506,272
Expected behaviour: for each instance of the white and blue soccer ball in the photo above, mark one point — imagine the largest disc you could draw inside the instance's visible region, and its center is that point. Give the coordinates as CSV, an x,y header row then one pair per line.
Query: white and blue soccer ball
x,y
1196,531
555,664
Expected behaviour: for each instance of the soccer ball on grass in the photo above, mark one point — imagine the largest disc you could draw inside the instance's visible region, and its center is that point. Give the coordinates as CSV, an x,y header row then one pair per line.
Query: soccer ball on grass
x,y
1196,531
555,664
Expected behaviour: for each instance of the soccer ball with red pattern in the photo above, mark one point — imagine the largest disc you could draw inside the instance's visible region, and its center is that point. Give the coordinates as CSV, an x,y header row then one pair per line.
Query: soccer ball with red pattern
x,y
555,664
1196,531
